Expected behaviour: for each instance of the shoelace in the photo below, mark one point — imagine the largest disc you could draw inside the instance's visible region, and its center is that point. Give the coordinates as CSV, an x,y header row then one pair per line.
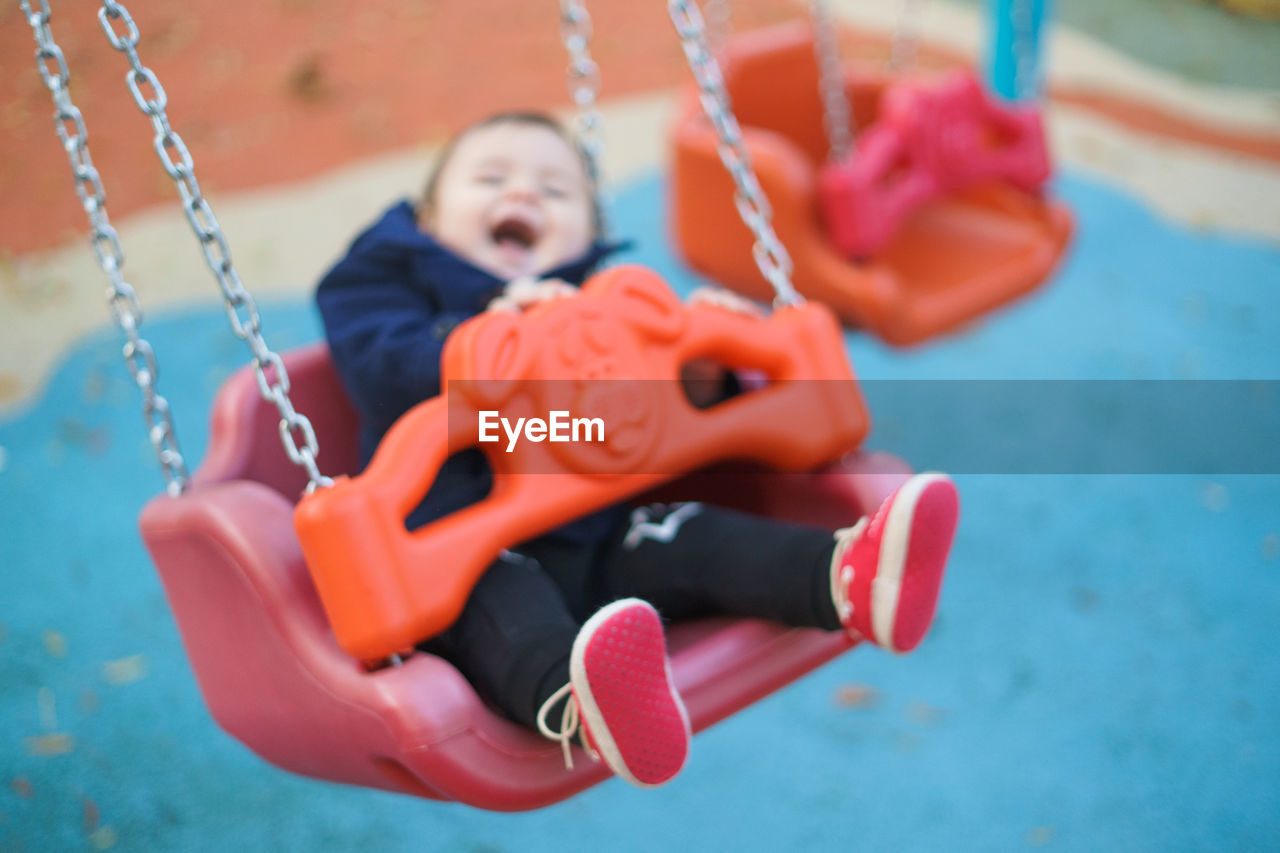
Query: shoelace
x,y
570,724
842,576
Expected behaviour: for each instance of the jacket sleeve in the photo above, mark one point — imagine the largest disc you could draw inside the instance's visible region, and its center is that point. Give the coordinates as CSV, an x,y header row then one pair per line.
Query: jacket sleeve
x,y
385,340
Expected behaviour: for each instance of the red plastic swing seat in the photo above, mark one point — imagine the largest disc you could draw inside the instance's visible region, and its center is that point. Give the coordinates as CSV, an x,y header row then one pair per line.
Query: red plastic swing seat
x,y
274,676
952,259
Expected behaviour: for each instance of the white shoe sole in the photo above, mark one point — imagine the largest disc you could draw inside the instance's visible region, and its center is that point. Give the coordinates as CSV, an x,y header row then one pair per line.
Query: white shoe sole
x,y
590,709
886,588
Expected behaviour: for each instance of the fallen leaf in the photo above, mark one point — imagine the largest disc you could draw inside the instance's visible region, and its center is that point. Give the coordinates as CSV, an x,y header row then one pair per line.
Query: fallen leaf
x,y
21,787
125,670
95,386
1214,497
58,743
308,80
103,838
906,741
55,644
1040,836
925,715
48,709
857,696
92,817
1084,599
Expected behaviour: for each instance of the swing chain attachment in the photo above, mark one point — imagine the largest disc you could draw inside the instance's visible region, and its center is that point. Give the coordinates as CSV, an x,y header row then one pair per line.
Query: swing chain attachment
x,y
769,253
584,83
835,104
242,311
123,301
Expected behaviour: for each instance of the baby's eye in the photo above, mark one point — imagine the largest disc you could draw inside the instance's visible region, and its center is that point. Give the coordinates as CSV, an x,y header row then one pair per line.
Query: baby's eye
x,y
554,191
489,179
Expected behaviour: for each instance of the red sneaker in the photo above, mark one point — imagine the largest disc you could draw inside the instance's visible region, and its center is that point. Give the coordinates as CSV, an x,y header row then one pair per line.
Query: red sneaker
x,y
623,696
887,569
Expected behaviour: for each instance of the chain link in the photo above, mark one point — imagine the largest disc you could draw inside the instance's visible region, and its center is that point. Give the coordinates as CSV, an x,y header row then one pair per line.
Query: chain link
x,y
584,88
836,118
242,312
769,253
121,298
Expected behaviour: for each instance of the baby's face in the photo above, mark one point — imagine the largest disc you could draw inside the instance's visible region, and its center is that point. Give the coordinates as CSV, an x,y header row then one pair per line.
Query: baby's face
x,y
513,199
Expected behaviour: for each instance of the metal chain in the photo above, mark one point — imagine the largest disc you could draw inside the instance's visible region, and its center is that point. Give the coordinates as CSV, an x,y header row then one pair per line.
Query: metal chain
x,y
836,116
902,52
123,301
584,87
770,255
242,312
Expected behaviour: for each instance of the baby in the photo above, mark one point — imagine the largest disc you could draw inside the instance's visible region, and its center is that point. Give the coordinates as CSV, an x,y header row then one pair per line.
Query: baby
x,y
568,625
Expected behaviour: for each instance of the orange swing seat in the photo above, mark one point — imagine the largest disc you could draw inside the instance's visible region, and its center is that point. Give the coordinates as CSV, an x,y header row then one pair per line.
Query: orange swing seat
x,y
952,259
265,654
614,352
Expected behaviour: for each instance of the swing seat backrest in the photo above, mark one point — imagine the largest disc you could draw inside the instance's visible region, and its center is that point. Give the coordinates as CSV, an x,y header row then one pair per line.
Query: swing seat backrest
x,y
274,677
952,258
930,139
614,352
963,135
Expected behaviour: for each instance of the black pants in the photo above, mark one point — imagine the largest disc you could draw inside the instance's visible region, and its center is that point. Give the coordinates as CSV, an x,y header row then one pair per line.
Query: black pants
x,y
515,634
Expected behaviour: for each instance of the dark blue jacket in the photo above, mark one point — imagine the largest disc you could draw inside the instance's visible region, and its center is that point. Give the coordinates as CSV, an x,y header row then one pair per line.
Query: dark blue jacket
x,y
387,308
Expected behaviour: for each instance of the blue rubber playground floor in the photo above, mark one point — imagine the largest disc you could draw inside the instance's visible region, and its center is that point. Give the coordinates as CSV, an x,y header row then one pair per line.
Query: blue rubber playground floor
x,y
1102,674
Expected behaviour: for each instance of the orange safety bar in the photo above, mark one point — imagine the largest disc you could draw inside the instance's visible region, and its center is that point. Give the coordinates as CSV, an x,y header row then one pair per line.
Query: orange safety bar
x,y
621,343
953,259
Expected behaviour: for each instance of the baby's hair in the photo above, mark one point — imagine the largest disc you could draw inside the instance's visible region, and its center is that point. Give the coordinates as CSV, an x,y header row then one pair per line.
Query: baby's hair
x,y
528,117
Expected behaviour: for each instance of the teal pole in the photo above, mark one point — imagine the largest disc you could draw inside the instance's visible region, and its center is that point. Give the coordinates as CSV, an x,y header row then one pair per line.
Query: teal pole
x,y
1003,41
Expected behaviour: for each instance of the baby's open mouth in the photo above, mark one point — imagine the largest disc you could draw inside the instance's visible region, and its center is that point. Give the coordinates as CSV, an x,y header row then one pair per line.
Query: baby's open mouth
x,y
514,231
